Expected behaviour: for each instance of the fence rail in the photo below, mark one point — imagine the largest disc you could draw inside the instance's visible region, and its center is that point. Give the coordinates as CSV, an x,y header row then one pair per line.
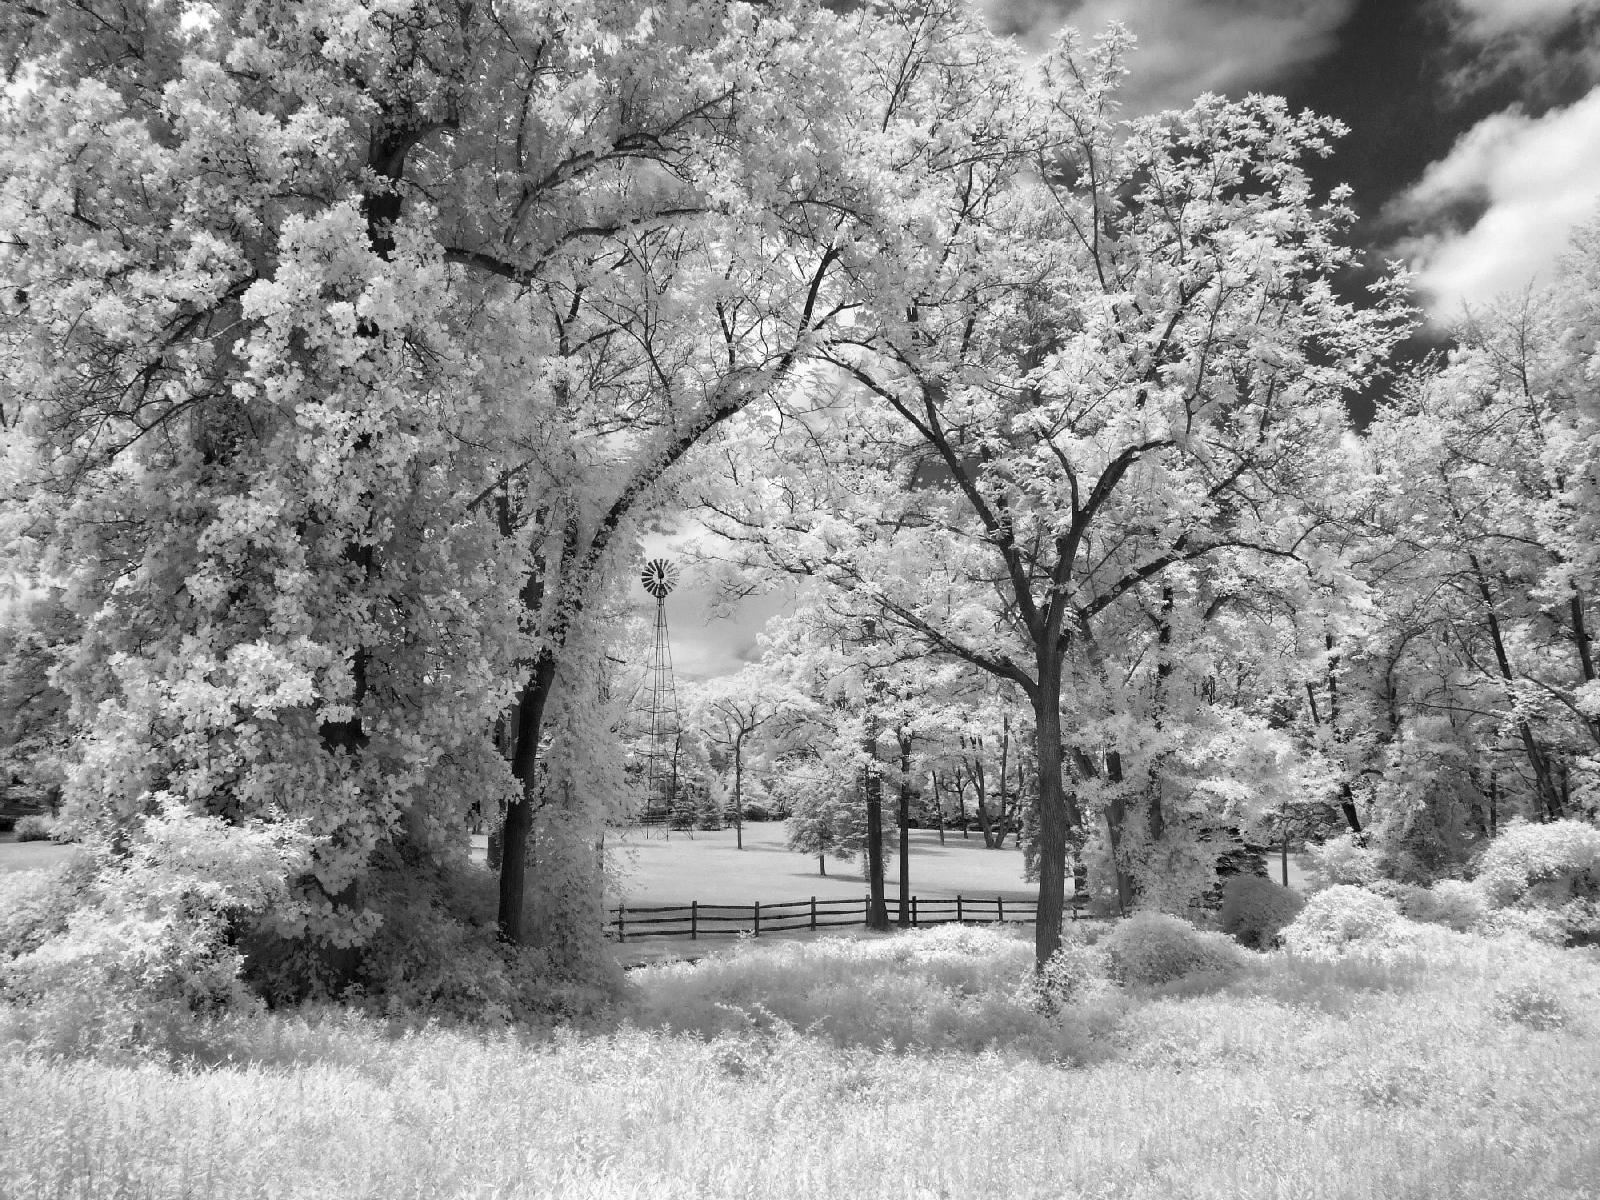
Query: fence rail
x,y
696,920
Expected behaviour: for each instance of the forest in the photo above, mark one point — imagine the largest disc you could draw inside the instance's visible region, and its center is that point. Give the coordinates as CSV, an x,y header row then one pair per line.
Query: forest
x,y
350,351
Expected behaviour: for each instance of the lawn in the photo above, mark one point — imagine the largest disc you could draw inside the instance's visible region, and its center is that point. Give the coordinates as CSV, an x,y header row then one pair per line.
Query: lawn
x,y
707,867
32,856
907,1067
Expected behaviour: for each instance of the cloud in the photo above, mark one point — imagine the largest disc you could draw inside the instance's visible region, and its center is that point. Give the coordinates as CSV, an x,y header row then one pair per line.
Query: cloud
x,y
1485,19
1550,48
1527,183
1189,46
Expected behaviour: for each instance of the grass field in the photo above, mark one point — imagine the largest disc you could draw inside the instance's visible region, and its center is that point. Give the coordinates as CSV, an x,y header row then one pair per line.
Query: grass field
x,y
708,868
32,856
1367,1079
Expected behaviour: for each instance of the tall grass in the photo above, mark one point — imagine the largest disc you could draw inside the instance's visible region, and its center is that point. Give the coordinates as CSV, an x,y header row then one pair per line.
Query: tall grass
x,y
1393,1077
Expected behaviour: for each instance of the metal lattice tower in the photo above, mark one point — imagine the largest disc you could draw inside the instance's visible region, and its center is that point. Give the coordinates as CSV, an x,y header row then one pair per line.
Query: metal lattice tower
x,y
659,714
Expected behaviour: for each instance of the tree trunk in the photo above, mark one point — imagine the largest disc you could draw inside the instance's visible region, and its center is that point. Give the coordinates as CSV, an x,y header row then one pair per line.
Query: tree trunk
x,y
1549,803
738,784
877,910
1059,820
519,813
1116,817
904,917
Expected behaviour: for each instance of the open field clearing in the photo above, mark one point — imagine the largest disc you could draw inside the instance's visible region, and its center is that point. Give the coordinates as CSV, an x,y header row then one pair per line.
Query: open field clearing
x,y
32,856
708,868
1398,1078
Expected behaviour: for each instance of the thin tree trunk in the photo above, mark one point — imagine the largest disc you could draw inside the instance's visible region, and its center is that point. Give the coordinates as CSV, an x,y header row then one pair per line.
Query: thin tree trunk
x,y
1116,816
1550,804
905,828
877,909
738,797
1347,799
1005,765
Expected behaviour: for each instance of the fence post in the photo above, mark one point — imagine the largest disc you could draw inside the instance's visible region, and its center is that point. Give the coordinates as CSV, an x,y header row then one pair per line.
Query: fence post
x,y
694,920
813,914
959,917
758,919
621,915
1000,909
913,910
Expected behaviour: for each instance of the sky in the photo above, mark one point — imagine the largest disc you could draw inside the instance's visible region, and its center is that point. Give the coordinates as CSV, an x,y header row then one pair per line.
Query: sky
x,y
1473,148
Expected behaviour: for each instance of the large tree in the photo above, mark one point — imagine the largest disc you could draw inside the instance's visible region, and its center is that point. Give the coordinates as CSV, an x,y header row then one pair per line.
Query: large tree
x,y
1113,352
347,339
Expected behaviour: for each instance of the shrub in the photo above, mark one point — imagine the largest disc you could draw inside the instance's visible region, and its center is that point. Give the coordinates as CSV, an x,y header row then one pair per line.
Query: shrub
x,y
1340,860
1074,973
1545,865
145,950
35,828
1255,910
1552,869
944,989
757,812
1450,902
1344,918
36,906
7,823
1537,925
1530,1002
1152,948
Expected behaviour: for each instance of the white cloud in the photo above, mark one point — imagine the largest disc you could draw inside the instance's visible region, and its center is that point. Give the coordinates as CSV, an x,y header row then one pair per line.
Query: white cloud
x,y
1492,18
1533,178
1190,46
709,637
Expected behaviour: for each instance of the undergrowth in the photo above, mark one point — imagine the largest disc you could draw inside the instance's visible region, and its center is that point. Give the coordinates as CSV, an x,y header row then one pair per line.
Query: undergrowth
x,y
923,1064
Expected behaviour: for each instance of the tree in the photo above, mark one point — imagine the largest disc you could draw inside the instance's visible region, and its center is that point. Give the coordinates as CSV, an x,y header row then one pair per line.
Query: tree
x,y
730,710
34,742
1116,354
353,337
1485,580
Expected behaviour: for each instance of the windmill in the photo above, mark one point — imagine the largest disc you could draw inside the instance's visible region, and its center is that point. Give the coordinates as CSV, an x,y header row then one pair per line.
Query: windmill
x,y
660,712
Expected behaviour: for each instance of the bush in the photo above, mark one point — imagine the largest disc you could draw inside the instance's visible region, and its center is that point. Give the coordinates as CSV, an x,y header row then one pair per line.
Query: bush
x,y
35,828
1552,870
1530,1002
1074,973
1450,902
1344,918
7,823
126,959
1255,910
952,988
757,812
1152,948
1340,860
1545,865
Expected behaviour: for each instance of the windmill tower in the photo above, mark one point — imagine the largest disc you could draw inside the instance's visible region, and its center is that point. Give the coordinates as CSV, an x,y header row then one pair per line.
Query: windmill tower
x,y
659,714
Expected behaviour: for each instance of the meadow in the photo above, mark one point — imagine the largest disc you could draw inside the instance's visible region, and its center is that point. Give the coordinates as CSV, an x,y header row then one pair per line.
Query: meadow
x,y
916,1065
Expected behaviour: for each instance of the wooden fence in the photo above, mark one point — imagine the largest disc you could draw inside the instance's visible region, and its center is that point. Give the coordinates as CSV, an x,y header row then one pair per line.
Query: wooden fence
x,y
696,920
